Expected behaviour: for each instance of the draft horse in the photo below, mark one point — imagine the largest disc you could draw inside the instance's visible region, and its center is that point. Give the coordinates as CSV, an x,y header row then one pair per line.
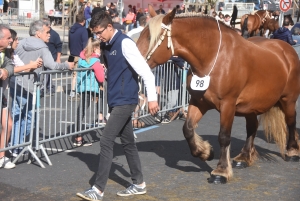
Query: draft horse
x,y
253,23
247,78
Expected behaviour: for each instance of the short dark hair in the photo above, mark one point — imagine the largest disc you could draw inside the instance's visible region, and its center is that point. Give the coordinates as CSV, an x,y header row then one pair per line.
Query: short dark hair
x,y
100,19
286,22
142,20
80,18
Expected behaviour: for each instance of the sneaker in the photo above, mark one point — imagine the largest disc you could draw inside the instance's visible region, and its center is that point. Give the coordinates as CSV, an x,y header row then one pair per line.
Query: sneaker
x,y
132,190
5,163
91,194
165,121
15,152
157,118
74,98
82,143
101,122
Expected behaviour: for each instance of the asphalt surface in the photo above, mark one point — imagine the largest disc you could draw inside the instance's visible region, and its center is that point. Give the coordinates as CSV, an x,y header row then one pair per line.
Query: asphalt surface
x,y
171,173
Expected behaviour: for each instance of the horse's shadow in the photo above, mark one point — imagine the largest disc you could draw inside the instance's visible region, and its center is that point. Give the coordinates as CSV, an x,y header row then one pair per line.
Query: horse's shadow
x,y
173,152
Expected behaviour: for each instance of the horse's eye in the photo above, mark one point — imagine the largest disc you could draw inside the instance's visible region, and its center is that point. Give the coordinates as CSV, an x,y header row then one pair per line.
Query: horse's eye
x,y
149,38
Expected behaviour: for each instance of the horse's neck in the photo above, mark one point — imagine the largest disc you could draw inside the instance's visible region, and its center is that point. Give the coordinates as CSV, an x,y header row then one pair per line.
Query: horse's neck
x,y
198,46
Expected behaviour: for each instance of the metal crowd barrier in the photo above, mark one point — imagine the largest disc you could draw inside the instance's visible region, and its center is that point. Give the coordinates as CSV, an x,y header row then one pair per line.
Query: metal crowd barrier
x,y
55,117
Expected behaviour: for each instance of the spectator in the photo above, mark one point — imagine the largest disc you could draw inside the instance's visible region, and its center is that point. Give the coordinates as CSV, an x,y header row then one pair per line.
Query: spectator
x,y
135,33
134,9
178,10
117,25
11,7
161,10
107,7
139,14
227,20
129,21
87,85
130,8
296,34
6,70
283,33
55,47
113,11
220,17
78,37
87,14
124,60
172,83
1,6
233,16
18,67
182,8
96,9
30,49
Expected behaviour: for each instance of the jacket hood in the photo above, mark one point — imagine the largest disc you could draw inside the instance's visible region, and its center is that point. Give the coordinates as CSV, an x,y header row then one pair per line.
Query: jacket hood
x,y
32,43
282,29
82,56
75,27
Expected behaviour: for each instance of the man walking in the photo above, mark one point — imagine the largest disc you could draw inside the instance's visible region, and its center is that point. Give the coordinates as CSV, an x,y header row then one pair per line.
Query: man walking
x,y
124,63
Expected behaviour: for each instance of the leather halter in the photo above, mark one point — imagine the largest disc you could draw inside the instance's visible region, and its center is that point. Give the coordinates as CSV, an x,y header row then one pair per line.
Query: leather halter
x,y
262,20
167,29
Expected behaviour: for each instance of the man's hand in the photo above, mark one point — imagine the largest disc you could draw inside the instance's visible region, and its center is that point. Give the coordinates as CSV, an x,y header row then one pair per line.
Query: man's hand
x,y
153,107
58,60
71,65
4,74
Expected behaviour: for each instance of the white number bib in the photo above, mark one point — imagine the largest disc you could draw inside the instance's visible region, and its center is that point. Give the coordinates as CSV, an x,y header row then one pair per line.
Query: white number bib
x,y
200,83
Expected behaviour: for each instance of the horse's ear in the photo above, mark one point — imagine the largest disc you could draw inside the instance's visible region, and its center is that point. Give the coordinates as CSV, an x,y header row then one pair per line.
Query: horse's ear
x,y
151,11
169,17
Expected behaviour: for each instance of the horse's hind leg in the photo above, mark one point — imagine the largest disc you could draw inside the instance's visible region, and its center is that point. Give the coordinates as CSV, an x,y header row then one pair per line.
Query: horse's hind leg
x,y
198,147
248,154
292,147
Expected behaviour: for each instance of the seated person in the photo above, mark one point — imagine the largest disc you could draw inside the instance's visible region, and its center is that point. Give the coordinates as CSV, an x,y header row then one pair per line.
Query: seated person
x,y
283,33
296,34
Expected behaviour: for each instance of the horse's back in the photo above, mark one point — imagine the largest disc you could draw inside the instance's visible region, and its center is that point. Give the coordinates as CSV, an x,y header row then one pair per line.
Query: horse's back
x,y
286,55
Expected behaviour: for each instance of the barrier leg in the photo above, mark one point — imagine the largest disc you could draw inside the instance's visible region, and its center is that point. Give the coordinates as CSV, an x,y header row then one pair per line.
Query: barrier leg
x,y
45,154
33,154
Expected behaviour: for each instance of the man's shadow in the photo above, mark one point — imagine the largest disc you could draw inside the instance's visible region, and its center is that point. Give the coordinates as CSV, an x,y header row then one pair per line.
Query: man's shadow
x,y
172,152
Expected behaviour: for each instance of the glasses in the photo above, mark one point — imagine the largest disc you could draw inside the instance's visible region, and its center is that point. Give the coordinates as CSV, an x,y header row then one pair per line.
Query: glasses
x,y
99,33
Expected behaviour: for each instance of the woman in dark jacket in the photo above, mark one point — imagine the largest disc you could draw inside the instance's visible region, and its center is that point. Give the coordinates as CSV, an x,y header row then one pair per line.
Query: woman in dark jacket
x,y
139,14
233,16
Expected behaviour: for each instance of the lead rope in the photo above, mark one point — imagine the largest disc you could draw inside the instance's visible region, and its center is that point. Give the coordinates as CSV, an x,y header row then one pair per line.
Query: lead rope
x,y
217,52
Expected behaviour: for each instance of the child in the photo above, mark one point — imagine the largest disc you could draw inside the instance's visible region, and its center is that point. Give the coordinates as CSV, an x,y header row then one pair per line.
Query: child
x,y
87,85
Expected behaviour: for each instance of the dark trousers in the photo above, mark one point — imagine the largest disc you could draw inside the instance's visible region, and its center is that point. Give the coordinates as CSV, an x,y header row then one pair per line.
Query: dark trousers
x,y
119,122
84,104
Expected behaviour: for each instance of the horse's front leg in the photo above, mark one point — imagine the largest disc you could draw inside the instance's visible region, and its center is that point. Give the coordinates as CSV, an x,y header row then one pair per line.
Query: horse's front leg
x,y
199,148
223,172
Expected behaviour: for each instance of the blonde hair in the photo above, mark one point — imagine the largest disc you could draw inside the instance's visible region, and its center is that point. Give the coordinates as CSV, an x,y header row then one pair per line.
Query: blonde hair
x,y
89,49
155,30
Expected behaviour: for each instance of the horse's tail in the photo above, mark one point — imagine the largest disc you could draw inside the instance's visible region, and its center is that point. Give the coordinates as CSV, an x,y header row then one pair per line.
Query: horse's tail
x,y
245,24
274,125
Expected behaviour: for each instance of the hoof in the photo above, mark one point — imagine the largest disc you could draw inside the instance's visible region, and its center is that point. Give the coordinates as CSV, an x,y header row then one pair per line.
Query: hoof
x,y
217,179
292,158
211,154
239,164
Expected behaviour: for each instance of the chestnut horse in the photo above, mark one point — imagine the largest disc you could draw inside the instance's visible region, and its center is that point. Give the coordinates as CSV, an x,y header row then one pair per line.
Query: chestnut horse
x,y
253,23
242,83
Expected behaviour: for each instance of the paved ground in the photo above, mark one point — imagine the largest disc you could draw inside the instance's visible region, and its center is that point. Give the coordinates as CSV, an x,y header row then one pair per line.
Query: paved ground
x,y
170,171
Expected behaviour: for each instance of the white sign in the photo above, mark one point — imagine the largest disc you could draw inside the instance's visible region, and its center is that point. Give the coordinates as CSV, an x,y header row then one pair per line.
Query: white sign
x,y
200,83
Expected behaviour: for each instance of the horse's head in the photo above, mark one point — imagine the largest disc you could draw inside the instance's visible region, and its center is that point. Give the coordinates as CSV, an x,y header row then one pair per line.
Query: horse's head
x,y
154,43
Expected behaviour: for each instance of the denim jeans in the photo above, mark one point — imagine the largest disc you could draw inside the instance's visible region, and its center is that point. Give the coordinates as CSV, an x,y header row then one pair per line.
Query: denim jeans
x,y
22,116
87,22
119,122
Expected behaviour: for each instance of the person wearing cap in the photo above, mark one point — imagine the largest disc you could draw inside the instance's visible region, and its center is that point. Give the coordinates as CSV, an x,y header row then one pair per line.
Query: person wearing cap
x,y
161,10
